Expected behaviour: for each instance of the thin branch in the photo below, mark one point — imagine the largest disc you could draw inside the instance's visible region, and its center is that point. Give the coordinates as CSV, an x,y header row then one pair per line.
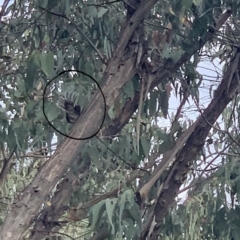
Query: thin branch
x,y
6,165
101,4
59,233
132,166
112,193
78,29
4,6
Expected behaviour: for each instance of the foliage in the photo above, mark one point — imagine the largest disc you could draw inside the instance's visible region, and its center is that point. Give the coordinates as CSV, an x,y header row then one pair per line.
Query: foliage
x,y
99,196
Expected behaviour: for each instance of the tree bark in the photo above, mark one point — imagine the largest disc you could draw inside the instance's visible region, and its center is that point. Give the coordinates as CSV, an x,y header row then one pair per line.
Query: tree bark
x,y
114,127
117,74
185,157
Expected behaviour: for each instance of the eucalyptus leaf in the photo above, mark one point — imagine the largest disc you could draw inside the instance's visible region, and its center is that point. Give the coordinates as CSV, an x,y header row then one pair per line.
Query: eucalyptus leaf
x,y
102,12
110,207
47,63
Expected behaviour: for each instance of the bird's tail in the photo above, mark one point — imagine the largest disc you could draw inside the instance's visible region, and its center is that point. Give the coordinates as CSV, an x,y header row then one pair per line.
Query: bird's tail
x,y
67,100
68,103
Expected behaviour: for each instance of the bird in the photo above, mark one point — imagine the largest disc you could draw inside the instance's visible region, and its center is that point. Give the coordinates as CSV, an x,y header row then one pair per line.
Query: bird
x,y
67,103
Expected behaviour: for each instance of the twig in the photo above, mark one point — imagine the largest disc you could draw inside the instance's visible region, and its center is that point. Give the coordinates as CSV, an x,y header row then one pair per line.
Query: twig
x,y
78,29
4,6
6,165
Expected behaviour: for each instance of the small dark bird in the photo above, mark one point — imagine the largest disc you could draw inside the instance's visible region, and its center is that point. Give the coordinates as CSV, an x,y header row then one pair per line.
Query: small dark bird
x,y
67,103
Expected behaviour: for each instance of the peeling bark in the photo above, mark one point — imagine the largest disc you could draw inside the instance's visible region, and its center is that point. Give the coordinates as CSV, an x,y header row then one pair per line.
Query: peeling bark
x,y
115,126
185,157
116,75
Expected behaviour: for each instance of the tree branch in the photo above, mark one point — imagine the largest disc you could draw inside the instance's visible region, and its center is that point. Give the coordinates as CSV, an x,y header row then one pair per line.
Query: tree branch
x,y
119,122
185,157
115,77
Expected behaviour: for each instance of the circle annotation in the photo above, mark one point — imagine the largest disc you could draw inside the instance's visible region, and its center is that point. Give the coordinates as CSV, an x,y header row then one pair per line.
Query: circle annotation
x,y
104,99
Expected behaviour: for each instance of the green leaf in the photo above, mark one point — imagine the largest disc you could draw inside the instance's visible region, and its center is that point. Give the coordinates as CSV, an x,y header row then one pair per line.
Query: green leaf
x,y
152,102
102,12
18,94
35,58
130,228
52,112
17,123
112,184
39,117
235,232
165,146
21,86
11,138
10,183
60,60
175,127
198,2
96,213
38,138
146,145
47,63
160,135
110,207
122,205
105,43
166,53
164,103
127,197
92,11
187,3
95,156
43,3
89,68
180,216
176,55
111,112
129,89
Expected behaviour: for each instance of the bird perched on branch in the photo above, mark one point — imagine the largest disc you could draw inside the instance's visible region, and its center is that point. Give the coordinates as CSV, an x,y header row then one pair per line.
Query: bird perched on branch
x,y
67,103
